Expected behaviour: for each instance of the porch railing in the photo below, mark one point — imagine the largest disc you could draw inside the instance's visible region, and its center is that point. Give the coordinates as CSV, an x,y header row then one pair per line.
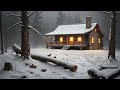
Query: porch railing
x,y
83,43
76,43
56,43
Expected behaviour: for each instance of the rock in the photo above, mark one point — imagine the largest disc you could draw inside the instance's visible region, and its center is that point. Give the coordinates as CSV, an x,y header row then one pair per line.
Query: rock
x,y
33,66
54,57
8,66
44,70
49,55
23,77
31,72
26,64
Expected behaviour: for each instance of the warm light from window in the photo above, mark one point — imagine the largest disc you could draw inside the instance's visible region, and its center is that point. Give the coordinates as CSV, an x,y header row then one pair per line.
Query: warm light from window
x,y
71,39
79,39
61,39
92,40
95,30
98,40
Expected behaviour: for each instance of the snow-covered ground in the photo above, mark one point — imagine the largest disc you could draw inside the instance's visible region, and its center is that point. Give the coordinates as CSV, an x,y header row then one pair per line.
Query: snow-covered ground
x,y
84,59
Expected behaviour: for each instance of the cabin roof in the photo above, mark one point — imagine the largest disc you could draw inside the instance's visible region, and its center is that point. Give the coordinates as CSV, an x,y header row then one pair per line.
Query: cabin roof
x,y
72,29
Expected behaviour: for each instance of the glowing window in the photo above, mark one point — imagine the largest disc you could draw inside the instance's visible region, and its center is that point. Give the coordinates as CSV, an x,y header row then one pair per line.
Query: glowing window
x,y
71,38
92,40
95,30
99,40
61,39
79,39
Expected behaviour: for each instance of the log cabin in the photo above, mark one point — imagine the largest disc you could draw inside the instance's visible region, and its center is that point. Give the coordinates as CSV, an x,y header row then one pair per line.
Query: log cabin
x,y
87,36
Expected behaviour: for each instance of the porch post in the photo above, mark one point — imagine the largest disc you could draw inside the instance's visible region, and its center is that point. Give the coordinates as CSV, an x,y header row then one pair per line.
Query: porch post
x,y
46,41
63,40
51,39
67,39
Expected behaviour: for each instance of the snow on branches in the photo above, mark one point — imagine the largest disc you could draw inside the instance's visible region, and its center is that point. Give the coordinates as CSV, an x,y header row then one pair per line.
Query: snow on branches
x,y
30,27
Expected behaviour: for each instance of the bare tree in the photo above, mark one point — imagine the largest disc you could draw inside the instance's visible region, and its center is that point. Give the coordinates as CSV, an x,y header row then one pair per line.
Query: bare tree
x,y
25,27
1,31
25,46
112,35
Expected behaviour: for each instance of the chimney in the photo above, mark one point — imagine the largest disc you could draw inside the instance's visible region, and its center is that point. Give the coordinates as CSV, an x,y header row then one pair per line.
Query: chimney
x,y
88,22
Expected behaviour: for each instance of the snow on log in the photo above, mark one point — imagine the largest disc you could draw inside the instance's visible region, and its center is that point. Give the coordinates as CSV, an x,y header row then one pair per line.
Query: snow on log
x,y
104,74
69,66
102,67
66,65
95,74
16,49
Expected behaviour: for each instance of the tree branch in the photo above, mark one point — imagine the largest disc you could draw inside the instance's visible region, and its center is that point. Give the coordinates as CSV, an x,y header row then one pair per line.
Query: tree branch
x,y
14,26
107,12
34,30
33,13
12,15
118,12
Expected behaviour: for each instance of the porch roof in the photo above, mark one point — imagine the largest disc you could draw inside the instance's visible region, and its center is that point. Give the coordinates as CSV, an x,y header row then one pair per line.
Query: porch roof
x,y
72,29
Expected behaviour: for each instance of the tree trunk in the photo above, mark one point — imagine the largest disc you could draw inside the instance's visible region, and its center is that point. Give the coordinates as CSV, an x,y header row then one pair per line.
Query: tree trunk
x,y
112,36
25,47
2,48
71,67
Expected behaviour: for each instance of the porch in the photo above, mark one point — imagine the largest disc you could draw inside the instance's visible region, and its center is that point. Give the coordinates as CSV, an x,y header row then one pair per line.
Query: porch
x,y
66,40
62,44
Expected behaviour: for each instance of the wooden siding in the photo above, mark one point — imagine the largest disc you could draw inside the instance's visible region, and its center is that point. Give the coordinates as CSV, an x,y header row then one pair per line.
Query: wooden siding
x,y
54,41
96,35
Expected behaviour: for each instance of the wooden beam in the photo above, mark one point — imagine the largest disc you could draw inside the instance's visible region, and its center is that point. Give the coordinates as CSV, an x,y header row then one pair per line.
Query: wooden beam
x,y
67,39
63,39
51,39
46,41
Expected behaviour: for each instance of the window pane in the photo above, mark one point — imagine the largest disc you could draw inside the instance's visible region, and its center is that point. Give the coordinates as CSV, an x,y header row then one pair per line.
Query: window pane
x,y
80,39
71,38
61,39
98,40
92,40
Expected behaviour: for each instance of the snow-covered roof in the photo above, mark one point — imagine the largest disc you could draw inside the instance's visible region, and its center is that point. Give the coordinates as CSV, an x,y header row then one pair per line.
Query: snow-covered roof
x,y
72,29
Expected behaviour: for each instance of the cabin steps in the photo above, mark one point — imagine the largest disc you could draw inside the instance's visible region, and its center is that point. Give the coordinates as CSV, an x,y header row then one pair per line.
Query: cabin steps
x,y
66,47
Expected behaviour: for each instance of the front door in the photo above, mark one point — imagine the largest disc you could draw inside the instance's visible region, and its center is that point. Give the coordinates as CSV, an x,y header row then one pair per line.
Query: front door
x,y
71,40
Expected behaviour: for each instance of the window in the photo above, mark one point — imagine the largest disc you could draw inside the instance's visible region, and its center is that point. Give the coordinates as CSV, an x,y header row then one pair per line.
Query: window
x,y
95,30
61,39
99,40
71,39
92,40
79,39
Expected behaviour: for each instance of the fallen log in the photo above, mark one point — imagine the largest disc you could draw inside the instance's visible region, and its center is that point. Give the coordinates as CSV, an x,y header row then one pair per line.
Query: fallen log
x,y
16,49
102,67
97,74
71,67
66,65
